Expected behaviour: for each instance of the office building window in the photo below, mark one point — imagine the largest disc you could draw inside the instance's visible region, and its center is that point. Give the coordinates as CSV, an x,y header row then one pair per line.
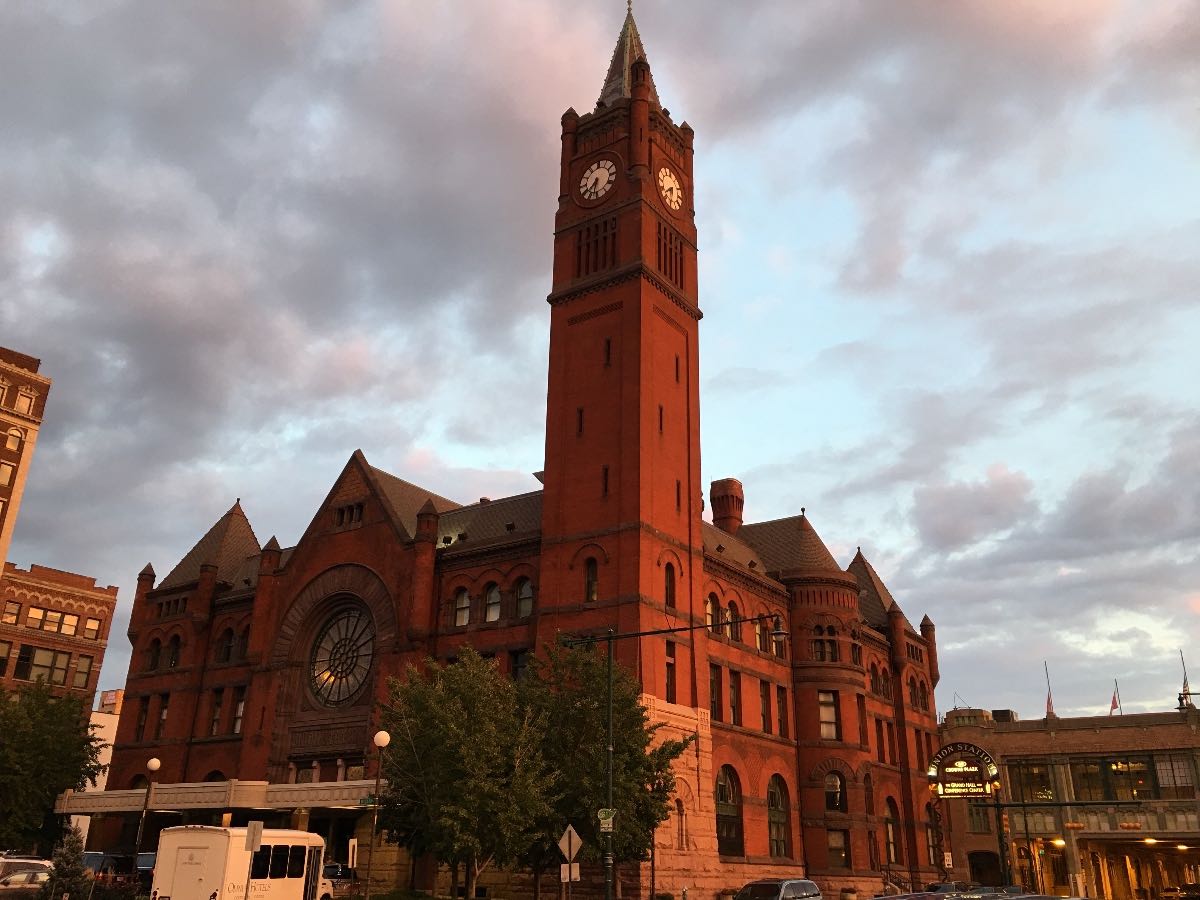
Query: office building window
x,y
91,628
462,607
524,598
12,612
735,698
83,671
491,608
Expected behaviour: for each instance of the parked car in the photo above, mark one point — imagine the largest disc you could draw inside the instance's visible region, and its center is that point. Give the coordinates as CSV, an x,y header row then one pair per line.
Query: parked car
x,y
1189,891
15,863
343,879
780,889
23,884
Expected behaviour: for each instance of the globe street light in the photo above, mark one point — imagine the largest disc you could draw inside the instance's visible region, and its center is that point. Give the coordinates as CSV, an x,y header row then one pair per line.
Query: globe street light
x,y
153,764
381,740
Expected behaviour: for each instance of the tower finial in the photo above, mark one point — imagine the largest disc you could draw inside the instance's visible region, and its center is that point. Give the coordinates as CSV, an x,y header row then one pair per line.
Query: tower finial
x,y
629,7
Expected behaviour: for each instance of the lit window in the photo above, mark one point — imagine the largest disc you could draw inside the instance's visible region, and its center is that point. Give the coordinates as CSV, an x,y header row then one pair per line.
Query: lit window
x,y
33,619
839,848
831,727
491,610
12,612
13,441
239,709
6,471
835,792
711,618
462,607
24,403
891,832
70,623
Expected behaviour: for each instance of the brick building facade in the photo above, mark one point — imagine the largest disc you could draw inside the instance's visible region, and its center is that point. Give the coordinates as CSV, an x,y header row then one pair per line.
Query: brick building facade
x,y
1121,817
53,624
260,663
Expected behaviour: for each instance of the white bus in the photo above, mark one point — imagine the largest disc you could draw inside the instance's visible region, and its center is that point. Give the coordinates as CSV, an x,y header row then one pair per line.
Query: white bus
x,y
206,862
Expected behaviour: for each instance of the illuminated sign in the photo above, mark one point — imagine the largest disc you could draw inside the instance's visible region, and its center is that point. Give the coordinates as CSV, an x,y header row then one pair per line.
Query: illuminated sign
x,y
963,770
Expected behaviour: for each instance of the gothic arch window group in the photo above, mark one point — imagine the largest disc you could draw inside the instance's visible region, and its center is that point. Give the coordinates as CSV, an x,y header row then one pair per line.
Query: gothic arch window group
x,y
881,680
728,620
164,654
779,827
823,647
918,693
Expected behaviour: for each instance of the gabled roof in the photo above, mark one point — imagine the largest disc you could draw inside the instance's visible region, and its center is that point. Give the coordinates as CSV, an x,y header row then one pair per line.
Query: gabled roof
x,y
618,83
406,498
226,545
790,543
875,601
491,521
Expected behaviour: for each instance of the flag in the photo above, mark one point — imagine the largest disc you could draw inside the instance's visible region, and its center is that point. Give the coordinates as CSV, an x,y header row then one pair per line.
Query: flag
x,y
1114,703
1049,704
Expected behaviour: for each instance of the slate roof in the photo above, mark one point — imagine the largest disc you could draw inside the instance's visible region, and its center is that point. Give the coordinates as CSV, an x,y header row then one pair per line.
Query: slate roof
x,y
407,498
618,83
226,545
736,551
790,543
874,598
491,521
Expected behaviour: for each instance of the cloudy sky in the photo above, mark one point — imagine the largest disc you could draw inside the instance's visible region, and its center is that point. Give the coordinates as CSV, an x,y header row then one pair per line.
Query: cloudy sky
x,y
948,269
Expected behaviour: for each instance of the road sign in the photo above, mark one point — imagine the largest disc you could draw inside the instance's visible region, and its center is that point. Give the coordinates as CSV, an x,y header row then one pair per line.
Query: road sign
x,y
568,872
569,844
368,800
606,817
253,835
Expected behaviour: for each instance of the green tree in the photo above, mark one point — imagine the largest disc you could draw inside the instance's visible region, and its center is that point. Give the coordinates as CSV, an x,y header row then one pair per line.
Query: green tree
x,y
68,875
467,782
569,688
46,747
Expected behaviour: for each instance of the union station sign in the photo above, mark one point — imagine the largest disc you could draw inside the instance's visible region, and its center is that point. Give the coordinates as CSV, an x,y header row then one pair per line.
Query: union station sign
x,y
963,770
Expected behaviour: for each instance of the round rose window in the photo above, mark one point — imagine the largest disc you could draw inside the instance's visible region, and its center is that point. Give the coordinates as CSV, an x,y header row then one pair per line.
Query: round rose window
x,y
341,656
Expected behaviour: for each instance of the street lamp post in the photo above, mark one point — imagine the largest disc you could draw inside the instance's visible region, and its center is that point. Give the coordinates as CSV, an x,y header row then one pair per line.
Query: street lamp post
x,y
609,636
153,764
381,740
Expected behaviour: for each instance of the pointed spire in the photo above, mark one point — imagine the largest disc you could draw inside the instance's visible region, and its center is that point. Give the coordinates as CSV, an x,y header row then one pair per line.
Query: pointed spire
x,y
149,570
618,83
226,545
272,544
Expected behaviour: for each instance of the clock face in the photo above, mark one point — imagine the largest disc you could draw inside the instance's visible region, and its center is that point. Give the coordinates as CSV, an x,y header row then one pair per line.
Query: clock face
x,y
341,656
668,184
598,180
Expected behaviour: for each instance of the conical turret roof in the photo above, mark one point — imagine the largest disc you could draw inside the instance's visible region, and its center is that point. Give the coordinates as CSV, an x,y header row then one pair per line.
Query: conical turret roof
x,y
226,546
618,83
790,544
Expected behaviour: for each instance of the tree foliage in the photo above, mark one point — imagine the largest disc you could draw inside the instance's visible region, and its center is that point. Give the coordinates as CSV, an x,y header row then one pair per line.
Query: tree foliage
x,y
46,747
467,782
569,690
68,875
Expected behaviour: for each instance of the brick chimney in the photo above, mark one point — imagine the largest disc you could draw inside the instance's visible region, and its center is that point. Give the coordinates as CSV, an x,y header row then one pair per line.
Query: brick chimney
x,y
727,501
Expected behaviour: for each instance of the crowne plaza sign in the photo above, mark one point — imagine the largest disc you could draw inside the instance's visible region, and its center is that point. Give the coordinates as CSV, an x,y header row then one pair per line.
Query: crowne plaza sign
x,y
963,770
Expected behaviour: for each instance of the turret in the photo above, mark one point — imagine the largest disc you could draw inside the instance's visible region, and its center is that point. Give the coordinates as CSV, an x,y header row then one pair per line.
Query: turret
x,y
727,501
929,632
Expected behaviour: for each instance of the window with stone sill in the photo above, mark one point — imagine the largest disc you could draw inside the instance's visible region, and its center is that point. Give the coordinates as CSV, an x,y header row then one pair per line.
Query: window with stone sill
x,y
524,598
491,607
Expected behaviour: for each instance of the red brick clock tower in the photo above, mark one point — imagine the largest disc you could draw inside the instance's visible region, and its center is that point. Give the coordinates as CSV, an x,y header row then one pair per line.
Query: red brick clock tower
x,y
622,482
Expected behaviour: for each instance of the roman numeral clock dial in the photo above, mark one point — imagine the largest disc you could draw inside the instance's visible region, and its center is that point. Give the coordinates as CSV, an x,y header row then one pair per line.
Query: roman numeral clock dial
x,y
598,180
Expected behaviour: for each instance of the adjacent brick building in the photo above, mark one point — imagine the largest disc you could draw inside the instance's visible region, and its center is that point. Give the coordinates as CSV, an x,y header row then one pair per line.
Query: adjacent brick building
x,y
53,624
1122,817
254,662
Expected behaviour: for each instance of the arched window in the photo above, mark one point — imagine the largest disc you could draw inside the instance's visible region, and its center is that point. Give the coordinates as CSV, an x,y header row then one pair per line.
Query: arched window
x,y
669,587
856,654
173,651
225,646
680,826
153,655
885,684
923,696
462,607
591,580
243,643
13,442
778,645
524,598
835,792
711,616
139,782
723,621
491,607
215,775
913,699
735,622
874,679
729,813
891,832
762,636
817,650
869,794
779,830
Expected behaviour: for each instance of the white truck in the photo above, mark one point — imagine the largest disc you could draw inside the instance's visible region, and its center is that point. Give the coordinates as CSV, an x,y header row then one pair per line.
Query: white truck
x,y
207,862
